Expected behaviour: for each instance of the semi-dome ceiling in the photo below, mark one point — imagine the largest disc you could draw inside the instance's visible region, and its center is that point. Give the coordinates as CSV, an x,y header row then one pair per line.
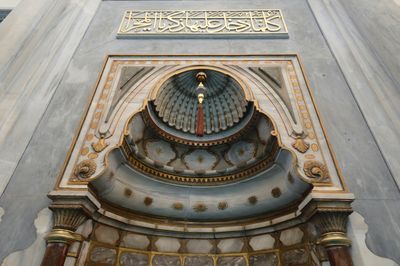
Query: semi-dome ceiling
x,y
221,174
224,103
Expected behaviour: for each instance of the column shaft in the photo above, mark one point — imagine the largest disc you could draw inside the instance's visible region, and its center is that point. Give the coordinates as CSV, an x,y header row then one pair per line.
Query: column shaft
x,y
339,256
55,254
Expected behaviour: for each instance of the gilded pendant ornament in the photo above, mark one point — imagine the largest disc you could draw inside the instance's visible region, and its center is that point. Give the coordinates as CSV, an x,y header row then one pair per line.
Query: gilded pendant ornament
x,y
316,171
301,145
85,169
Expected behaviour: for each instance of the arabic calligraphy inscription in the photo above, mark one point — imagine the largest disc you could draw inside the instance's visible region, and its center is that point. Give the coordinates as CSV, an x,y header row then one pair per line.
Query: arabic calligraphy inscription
x,y
268,22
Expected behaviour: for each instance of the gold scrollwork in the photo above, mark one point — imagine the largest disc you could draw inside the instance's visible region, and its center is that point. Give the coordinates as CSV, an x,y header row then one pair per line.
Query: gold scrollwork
x,y
317,171
85,169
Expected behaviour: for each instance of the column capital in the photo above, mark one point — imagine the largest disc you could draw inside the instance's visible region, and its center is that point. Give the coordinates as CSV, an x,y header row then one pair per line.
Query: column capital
x,y
66,219
332,227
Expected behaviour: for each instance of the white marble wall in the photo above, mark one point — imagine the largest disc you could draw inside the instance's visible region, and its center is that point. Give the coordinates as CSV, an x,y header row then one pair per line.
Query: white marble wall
x,y
34,56
38,40
9,4
370,64
364,37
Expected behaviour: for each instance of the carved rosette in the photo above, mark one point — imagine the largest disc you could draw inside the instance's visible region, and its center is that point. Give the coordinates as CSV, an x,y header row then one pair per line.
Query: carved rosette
x,y
317,171
85,169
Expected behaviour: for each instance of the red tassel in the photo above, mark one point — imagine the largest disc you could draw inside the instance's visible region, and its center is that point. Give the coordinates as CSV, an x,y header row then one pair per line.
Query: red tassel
x,y
200,121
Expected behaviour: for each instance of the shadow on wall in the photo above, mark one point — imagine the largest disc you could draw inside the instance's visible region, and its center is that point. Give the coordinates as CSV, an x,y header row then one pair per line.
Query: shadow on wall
x,y
32,256
357,231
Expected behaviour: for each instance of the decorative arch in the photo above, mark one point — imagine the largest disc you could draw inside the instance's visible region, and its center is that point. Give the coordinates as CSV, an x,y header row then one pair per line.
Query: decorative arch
x,y
132,172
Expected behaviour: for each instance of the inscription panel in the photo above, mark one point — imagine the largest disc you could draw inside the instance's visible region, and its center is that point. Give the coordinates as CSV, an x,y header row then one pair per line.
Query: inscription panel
x,y
266,22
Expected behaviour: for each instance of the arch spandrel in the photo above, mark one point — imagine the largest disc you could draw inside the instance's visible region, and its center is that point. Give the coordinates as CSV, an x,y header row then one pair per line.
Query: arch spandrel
x,y
101,157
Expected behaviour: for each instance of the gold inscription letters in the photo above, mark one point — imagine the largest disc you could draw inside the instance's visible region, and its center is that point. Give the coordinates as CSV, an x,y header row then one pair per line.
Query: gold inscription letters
x,y
268,22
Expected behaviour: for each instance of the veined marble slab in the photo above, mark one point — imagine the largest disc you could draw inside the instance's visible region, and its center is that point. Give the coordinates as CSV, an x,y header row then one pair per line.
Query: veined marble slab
x,y
31,75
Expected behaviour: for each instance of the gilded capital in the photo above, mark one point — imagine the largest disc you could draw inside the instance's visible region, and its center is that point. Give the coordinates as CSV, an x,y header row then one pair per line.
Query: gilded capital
x,y
332,227
62,236
68,217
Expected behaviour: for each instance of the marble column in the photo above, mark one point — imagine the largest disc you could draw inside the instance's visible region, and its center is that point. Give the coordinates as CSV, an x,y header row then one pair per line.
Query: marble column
x,y
333,236
66,220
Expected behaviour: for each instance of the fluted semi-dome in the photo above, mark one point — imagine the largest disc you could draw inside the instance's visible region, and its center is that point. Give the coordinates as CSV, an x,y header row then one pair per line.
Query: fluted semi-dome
x,y
224,104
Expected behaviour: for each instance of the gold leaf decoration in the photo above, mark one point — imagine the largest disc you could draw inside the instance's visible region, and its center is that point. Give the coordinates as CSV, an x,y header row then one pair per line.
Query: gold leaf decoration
x,y
85,169
301,145
100,145
200,207
177,206
222,205
317,171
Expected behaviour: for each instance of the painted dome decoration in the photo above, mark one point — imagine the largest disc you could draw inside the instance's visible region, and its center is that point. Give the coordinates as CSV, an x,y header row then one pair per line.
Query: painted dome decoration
x,y
237,158
219,97
200,130
200,139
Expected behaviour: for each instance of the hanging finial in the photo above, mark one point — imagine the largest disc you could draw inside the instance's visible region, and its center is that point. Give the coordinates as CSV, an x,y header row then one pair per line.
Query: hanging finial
x,y
200,91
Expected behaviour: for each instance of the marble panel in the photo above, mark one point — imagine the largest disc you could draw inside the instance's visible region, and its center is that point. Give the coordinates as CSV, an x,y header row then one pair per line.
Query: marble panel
x,y
103,256
241,152
29,76
200,160
85,229
70,261
159,151
199,246
159,260
231,261
291,236
135,241
295,257
133,259
106,234
264,129
167,244
199,261
230,245
264,260
137,127
262,242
